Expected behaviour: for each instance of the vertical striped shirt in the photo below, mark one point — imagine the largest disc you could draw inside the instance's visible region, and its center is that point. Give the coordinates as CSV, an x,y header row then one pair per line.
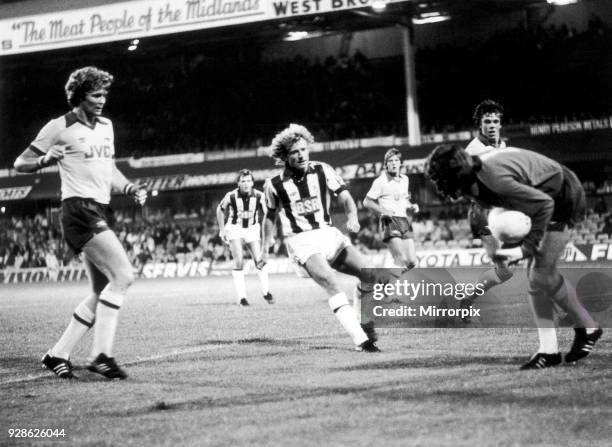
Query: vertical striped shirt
x,y
303,203
242,209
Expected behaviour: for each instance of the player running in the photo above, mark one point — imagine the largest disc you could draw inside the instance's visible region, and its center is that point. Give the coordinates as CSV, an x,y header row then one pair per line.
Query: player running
x,y
301,195
245,209
389,197
553,197
81,143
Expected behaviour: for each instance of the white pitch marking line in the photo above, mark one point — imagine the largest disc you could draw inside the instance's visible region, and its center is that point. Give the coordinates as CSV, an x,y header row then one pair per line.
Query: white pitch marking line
x,y
174,353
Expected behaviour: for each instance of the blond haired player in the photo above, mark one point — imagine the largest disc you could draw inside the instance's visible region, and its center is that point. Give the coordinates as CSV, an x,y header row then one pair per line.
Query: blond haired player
x,y
389,197
301,196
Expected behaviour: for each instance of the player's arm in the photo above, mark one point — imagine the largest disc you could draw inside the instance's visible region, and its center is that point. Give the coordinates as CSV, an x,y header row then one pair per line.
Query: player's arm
x,y
350,209
43,151
536,204
119,182
31,160
269,222
221,208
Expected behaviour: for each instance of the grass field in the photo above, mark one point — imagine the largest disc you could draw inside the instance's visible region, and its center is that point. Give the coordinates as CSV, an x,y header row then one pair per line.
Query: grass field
x,y
205,372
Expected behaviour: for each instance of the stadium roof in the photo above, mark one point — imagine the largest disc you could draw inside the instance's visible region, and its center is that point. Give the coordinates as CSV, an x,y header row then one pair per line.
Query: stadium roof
x,y
348,20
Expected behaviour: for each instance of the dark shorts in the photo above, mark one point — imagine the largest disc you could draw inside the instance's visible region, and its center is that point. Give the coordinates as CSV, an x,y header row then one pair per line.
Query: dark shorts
x,y
82,219
570,203
396,227
478,218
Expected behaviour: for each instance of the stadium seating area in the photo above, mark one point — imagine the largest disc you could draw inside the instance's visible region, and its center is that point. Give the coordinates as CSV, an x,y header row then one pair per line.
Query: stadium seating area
x,y
235,99
33,241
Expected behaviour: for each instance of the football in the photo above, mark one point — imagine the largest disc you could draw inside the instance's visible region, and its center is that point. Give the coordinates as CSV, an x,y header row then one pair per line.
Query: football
x,y
509,226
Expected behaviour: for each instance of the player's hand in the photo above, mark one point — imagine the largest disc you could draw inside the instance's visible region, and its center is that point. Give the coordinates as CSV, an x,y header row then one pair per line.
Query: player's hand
x,y
509,254
414,207
53,155
352,224
137,193
223,236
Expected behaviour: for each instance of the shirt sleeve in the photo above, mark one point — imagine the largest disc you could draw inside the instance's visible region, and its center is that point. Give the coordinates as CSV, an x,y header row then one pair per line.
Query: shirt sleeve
x,y
271,199
225,201
47,137
375,191
334,182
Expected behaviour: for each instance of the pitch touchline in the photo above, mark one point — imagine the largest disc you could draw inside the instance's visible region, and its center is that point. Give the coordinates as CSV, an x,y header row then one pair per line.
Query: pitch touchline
x,y
174,353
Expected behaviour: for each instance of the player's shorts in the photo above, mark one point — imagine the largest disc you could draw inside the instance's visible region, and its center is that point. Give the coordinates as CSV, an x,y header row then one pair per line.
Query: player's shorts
x,y
478,218
328,241
396,226
570,203
82,219
249,234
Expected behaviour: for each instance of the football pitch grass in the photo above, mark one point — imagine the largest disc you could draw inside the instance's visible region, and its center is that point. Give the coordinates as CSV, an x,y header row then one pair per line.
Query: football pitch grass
x,y
204,371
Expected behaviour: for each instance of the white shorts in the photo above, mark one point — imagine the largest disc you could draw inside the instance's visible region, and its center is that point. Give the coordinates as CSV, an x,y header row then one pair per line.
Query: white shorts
x,y
328,241
249,234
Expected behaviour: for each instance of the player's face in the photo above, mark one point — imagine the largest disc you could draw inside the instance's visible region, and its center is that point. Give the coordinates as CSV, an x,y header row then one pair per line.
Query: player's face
x,y
94,102
245,184
490,125
393,165
297,157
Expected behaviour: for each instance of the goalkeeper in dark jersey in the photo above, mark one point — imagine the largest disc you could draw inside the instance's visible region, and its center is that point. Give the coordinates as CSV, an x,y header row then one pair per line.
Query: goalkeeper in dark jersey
x,y
553,197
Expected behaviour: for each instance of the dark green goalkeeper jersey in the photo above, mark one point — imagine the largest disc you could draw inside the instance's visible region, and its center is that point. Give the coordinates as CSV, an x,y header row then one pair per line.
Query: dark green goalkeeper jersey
x,y
545,190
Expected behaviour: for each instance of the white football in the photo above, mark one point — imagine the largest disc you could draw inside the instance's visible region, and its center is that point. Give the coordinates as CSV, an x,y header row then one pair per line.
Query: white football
x,y
509,226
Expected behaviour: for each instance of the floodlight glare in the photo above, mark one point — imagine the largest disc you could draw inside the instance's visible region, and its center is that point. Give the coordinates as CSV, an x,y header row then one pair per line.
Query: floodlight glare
x,y
429,17
296,35
562,2
379,5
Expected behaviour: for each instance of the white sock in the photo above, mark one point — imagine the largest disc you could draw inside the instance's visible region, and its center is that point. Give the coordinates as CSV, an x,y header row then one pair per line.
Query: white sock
x,y
238,276
548,340
82,319
107,316
346,316
262,274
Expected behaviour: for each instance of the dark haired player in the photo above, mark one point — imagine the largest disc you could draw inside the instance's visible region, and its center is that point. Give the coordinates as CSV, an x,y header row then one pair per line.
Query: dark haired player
x,y
553,197
81,143
245,209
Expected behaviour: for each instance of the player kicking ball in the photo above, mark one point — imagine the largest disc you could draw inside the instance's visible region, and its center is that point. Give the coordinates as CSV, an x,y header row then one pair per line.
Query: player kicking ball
x,y
300,195
553,198
245,208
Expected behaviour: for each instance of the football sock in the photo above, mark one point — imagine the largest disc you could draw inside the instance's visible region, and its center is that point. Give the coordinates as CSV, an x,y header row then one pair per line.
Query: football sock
x,y
264,281
361,291
495,276
82,319
542,308
564,295
107,316
238,276
345,314
548,340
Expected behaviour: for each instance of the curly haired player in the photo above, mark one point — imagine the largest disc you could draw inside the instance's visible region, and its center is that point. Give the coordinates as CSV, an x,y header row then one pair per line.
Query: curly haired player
x,y
81,143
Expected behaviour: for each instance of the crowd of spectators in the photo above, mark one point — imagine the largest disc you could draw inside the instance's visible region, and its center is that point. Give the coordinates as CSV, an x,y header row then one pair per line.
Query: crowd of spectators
x,y
223,99
162,236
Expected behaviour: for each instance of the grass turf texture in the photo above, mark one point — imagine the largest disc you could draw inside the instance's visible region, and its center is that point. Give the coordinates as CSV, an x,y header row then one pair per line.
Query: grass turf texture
x,y
204,371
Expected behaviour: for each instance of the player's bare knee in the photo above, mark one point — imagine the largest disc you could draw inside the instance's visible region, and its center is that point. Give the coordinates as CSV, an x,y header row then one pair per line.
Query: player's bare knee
x,y
238,264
